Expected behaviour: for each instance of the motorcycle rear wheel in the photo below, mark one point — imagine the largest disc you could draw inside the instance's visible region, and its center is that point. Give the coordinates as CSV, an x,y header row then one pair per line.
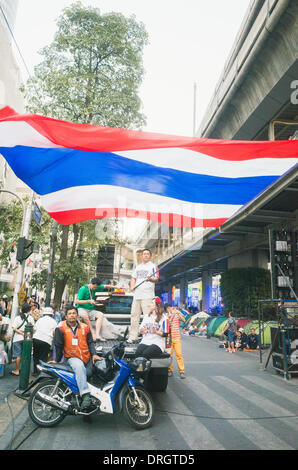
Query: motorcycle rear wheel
x,y
139,416
42,414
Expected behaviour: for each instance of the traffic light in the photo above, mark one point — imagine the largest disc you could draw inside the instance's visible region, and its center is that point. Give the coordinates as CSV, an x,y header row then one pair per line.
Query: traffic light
x,y
25,249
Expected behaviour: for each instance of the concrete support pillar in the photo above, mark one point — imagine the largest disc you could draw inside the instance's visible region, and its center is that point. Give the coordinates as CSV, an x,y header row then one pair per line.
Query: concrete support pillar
x,y
249,259
169,291
206,290
183,290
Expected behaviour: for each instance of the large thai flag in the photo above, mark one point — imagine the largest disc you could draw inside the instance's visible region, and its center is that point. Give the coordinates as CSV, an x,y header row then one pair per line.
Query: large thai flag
x,y
85,172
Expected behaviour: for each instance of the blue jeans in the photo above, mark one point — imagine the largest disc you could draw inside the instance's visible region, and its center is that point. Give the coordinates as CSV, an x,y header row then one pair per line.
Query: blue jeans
x,y
231,336
81,371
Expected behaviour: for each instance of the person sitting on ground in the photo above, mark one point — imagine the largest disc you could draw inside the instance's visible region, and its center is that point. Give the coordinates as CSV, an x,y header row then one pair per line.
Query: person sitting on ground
x,y
203,329
241,339
252,340
152,344
18,327
74,340
192,330
85,303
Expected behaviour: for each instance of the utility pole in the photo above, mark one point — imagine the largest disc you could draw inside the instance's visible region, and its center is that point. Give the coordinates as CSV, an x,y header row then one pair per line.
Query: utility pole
x,y
20,274
51,264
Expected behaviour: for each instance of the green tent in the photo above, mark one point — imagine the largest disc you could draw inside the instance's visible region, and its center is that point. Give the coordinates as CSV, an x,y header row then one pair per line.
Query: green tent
x,y
211,323
252,324
218,321
214,324
198,322
265,336
221,327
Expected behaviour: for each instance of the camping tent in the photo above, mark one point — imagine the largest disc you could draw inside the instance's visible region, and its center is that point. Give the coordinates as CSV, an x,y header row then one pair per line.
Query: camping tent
x,y
197,316
215,323
265,336
252,324
241,322
220,328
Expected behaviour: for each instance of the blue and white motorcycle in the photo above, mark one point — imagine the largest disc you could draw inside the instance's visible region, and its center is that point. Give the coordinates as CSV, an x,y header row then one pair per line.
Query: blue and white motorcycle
x,y
115,386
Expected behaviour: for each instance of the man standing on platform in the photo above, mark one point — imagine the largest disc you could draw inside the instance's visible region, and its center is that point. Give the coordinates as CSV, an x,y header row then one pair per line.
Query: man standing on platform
x,y
85,304
142,284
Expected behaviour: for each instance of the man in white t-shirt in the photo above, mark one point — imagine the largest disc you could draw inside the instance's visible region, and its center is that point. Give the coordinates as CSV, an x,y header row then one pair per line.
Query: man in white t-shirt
x,y
142,283
43,336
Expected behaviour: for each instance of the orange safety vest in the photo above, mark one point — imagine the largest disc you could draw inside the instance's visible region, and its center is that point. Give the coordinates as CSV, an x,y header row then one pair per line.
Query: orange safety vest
x,y
80,350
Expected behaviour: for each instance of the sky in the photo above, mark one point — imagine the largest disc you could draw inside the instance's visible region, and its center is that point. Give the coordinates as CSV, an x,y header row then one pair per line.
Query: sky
x,y
189,42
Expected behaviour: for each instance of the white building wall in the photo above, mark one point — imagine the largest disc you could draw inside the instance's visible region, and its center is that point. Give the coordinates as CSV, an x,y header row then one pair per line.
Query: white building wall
x,y
10,95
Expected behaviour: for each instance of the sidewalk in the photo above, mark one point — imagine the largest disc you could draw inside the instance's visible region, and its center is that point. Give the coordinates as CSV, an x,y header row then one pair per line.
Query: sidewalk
x,y
13,410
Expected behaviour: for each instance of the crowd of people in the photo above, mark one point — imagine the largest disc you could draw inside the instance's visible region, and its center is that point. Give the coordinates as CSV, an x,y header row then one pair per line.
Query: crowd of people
x,y
237,339
72,332
43,320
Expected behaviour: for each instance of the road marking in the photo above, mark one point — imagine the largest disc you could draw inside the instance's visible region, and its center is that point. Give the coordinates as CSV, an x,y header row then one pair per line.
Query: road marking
x,y
214,362
136,440
256,398
281,391
198,436
258,435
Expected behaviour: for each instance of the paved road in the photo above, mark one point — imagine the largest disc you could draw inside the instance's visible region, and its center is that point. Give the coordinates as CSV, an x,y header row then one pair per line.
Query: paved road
x,y
226,402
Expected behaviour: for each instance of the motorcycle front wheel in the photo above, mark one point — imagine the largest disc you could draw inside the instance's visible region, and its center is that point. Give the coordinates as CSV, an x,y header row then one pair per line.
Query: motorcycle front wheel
x,y
139,412
41,413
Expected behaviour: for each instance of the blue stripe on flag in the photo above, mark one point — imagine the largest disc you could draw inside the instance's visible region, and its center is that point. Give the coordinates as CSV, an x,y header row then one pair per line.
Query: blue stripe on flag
x,y
49,170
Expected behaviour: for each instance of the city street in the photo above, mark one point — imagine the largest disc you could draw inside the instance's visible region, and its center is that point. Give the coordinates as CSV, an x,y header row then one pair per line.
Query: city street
x,y
226,402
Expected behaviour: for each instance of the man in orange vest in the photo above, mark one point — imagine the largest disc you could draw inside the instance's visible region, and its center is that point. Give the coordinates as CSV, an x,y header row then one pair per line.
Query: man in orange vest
x,y
74,340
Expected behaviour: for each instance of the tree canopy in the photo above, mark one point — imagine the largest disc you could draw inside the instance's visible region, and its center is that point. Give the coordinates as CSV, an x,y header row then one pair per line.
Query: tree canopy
x,y
92,70
91,74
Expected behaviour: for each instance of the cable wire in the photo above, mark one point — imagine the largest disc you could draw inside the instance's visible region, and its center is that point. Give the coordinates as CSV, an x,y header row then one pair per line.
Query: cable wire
x,y
19,51
225,418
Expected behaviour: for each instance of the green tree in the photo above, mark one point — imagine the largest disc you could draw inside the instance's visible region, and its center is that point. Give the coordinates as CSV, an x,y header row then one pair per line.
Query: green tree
x,y
91,74
241,289
92,71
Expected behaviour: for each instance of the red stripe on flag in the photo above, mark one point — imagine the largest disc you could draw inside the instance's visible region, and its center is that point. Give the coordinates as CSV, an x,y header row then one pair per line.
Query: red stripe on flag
x,y
173,220
108,139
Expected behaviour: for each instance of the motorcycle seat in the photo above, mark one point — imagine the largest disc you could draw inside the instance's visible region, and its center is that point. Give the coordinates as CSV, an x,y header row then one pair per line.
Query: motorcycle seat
x,y
59,365
164,355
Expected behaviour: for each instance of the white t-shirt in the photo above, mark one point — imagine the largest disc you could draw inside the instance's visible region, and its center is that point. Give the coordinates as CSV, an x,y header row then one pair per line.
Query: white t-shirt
x,y
45,327
18,321
147,289
150,321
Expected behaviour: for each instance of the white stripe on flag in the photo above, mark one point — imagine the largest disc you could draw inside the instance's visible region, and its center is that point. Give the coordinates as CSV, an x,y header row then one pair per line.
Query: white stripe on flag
x,y
104,196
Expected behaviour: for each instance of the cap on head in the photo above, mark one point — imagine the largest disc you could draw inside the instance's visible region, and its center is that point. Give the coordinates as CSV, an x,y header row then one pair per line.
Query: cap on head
x,y
47,311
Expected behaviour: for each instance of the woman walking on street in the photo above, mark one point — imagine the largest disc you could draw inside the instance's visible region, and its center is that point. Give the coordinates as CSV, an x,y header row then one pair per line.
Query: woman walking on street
x,y
174,317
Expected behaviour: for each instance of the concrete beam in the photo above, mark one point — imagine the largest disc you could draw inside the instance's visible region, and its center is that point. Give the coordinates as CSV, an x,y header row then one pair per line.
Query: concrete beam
x,y
249,96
